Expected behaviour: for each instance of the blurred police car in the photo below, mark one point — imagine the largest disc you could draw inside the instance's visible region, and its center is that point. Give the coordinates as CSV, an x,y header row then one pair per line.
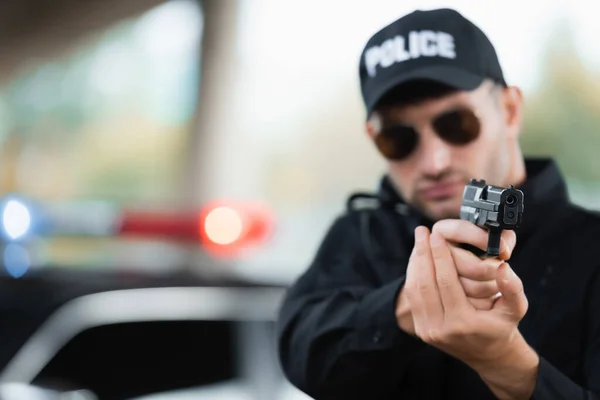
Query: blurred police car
x,y
176,324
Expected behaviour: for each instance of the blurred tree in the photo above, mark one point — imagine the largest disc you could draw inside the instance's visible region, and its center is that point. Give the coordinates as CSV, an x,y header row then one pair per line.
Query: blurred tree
x,y
562,117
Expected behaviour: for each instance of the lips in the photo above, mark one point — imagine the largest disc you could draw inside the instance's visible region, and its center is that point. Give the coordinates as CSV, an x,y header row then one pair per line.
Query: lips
x,y
441,190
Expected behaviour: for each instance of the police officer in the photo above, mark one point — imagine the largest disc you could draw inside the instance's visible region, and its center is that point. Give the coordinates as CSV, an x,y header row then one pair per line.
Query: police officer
x,y
397,304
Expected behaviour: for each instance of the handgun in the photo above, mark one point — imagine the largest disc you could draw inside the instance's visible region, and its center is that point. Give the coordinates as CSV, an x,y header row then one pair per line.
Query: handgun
x,y
494,208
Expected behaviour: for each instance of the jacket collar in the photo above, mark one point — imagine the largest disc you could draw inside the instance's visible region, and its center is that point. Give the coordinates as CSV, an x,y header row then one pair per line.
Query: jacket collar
x,y
544,182
543,190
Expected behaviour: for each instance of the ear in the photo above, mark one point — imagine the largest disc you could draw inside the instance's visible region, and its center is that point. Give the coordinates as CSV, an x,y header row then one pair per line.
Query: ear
x,y
512,102
370,130
373,125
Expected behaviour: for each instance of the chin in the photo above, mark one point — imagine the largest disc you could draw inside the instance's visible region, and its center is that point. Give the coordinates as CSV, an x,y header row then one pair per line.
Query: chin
x,y
449,209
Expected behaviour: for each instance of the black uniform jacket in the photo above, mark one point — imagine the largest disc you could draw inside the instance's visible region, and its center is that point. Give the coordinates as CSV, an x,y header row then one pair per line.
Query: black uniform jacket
x,y
337,333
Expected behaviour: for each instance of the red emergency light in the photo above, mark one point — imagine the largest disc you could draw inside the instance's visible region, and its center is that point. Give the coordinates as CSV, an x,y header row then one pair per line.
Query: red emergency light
x,y
228,228
168,225
223,228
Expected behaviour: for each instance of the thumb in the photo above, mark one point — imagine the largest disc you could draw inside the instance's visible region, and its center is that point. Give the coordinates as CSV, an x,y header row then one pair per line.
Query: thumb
x,y
513,301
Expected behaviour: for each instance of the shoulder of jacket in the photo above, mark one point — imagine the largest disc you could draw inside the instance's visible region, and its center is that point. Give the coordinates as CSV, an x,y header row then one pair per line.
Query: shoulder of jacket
x,y
584,232
576,236
584,219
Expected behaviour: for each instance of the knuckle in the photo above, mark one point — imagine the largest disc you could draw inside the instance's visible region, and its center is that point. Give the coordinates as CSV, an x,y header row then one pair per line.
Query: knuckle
x,y
485,289
510,237
493,289
437,252
488,268
476,272
472,294
454,230
474,302
466,267
510,244
523,306
444,279
436,229
468,287
409,290
437,226
446,228
519,313
424,288
457,330
447,334
492,263
420,250
482,304
482,273
433,336
507,249
409,300
474,291
419,333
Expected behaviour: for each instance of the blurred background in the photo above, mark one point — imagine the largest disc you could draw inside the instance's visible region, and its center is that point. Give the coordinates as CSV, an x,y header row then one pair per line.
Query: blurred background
x,y
161,144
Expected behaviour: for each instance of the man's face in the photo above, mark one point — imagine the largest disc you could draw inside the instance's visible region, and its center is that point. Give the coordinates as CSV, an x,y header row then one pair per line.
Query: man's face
x,y
432,177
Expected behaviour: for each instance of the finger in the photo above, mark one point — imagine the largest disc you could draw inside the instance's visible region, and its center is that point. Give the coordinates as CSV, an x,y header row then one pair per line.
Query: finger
x,y
513,302
460,231
451,291
482,304
479,289
472,267
420,286
508,241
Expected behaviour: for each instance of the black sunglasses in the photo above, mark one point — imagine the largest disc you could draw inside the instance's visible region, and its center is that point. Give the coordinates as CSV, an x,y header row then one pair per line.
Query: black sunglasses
x,y
457,127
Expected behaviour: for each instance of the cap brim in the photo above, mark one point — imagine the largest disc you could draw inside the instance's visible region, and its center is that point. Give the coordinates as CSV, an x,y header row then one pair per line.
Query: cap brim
x,y
446,75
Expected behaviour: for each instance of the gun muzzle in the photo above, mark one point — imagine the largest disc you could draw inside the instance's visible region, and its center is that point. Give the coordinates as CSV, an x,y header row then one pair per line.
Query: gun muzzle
x,y
494,208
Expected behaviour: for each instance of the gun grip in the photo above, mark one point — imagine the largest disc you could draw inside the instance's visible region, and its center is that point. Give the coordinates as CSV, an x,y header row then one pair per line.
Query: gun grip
x,y
494,242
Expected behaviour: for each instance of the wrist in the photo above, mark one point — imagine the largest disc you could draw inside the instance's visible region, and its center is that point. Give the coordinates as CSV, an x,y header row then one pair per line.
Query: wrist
x,y
512,375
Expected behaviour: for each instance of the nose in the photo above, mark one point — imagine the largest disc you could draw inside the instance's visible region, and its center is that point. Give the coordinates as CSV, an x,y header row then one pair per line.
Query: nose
x,y
435,157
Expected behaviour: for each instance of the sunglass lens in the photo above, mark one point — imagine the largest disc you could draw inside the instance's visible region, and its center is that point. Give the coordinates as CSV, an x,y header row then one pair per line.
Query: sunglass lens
x,y
458,127
396,142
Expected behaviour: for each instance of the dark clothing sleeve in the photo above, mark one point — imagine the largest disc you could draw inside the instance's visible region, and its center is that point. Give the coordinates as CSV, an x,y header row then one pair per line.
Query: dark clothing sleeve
x,y
337,331
553,384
